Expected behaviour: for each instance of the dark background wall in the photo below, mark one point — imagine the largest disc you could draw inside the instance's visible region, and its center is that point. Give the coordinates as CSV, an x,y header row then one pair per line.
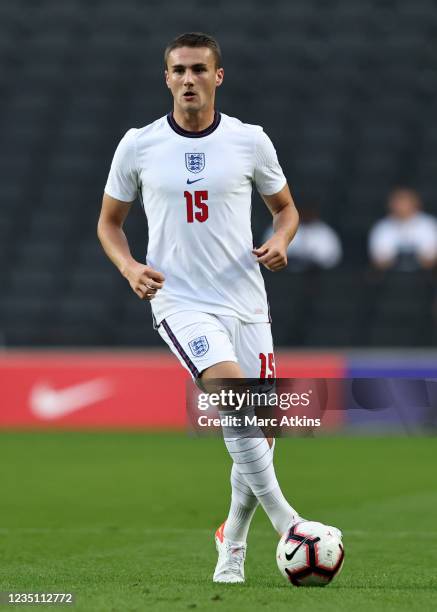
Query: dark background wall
x,y
346,89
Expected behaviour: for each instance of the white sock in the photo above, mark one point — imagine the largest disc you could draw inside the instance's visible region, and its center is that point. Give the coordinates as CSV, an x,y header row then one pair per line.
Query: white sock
x,y
250,451
243,506
278,509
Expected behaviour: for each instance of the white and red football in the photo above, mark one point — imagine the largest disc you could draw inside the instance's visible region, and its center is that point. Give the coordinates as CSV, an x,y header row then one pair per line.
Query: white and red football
x,y
310,554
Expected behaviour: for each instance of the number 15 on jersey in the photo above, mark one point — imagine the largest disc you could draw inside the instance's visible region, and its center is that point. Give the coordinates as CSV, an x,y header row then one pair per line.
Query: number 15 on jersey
x,y
196,202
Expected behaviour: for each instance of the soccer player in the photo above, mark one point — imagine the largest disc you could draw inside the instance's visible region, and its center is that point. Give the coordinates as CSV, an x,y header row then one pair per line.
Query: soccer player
x,y
193,171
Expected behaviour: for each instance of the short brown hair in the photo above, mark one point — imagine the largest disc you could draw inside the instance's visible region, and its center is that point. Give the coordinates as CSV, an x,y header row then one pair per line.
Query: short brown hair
x,y
195,39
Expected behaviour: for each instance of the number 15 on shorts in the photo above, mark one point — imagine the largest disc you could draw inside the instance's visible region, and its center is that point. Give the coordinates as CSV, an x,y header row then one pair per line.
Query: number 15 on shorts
x,y
267,365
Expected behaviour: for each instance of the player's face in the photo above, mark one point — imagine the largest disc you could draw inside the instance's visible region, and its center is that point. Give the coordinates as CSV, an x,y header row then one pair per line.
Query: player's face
x,y
192,77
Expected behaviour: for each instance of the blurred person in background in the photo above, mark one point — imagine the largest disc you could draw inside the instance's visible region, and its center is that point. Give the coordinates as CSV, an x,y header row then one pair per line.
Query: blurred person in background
x,y
316,244
406,239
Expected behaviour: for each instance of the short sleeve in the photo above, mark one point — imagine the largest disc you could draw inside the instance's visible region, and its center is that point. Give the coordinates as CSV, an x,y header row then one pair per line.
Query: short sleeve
x,y
122,182
427,238
327,247
382,242
268,176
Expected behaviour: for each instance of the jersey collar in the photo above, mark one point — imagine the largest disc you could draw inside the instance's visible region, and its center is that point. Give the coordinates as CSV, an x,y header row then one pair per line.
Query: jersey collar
x,y
206,132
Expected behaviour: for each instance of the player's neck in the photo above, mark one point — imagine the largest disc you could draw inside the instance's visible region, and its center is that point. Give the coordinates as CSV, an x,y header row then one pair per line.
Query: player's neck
x,y
194,122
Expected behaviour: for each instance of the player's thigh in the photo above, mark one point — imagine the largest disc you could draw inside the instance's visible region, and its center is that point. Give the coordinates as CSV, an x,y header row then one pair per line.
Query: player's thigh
x,y
254,349
199,340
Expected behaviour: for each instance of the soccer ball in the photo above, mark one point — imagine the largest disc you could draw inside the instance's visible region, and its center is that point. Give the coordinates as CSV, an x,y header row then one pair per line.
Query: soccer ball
x,y
310,554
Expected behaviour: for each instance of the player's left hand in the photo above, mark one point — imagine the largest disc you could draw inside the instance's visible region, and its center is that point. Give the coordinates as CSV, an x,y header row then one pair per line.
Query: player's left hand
x,y
273,253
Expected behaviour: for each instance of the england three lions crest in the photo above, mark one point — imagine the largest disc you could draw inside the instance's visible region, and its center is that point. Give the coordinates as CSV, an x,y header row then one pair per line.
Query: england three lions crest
x,y
199,346
195,162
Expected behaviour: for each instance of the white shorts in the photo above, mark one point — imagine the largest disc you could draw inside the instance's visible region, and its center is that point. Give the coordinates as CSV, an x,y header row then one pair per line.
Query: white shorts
x,y
200,340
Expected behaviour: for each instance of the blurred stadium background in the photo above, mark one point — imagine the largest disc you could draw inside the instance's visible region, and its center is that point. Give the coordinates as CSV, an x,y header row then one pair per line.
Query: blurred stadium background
x,y
347,91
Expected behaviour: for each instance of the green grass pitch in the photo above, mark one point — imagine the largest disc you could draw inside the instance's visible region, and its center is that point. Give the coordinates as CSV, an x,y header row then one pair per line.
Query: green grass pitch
x,y
126,521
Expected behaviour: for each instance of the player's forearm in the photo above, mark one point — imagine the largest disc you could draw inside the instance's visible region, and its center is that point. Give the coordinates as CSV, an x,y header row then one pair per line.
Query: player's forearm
x,y
115,244
286,222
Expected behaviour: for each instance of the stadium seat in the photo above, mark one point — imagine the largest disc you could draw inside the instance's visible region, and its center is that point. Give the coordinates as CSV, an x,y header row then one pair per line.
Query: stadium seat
x,y
350,108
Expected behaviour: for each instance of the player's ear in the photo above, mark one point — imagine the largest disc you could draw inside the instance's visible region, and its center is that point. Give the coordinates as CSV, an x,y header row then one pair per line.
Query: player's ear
x,y
166,78
219,76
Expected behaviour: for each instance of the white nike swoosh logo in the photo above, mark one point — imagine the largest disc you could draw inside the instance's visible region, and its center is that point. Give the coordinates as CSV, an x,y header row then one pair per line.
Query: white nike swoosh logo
x,y
48,403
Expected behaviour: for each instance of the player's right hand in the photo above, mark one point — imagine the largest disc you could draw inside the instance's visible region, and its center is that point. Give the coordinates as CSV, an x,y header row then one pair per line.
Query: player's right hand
x,y
144,280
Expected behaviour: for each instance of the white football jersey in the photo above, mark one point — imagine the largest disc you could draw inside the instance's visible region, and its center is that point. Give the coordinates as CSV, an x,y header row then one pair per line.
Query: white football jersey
x,y
196,191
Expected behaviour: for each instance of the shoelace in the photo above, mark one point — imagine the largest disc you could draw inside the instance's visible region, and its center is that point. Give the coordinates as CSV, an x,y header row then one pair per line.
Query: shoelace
x,y
237,556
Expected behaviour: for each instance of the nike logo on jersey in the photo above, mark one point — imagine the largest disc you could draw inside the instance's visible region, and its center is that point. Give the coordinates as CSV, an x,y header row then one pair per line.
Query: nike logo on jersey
x,y
194,181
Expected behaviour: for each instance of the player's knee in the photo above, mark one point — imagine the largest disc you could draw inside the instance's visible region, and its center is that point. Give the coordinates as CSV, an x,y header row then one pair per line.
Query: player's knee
x,y
222,377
